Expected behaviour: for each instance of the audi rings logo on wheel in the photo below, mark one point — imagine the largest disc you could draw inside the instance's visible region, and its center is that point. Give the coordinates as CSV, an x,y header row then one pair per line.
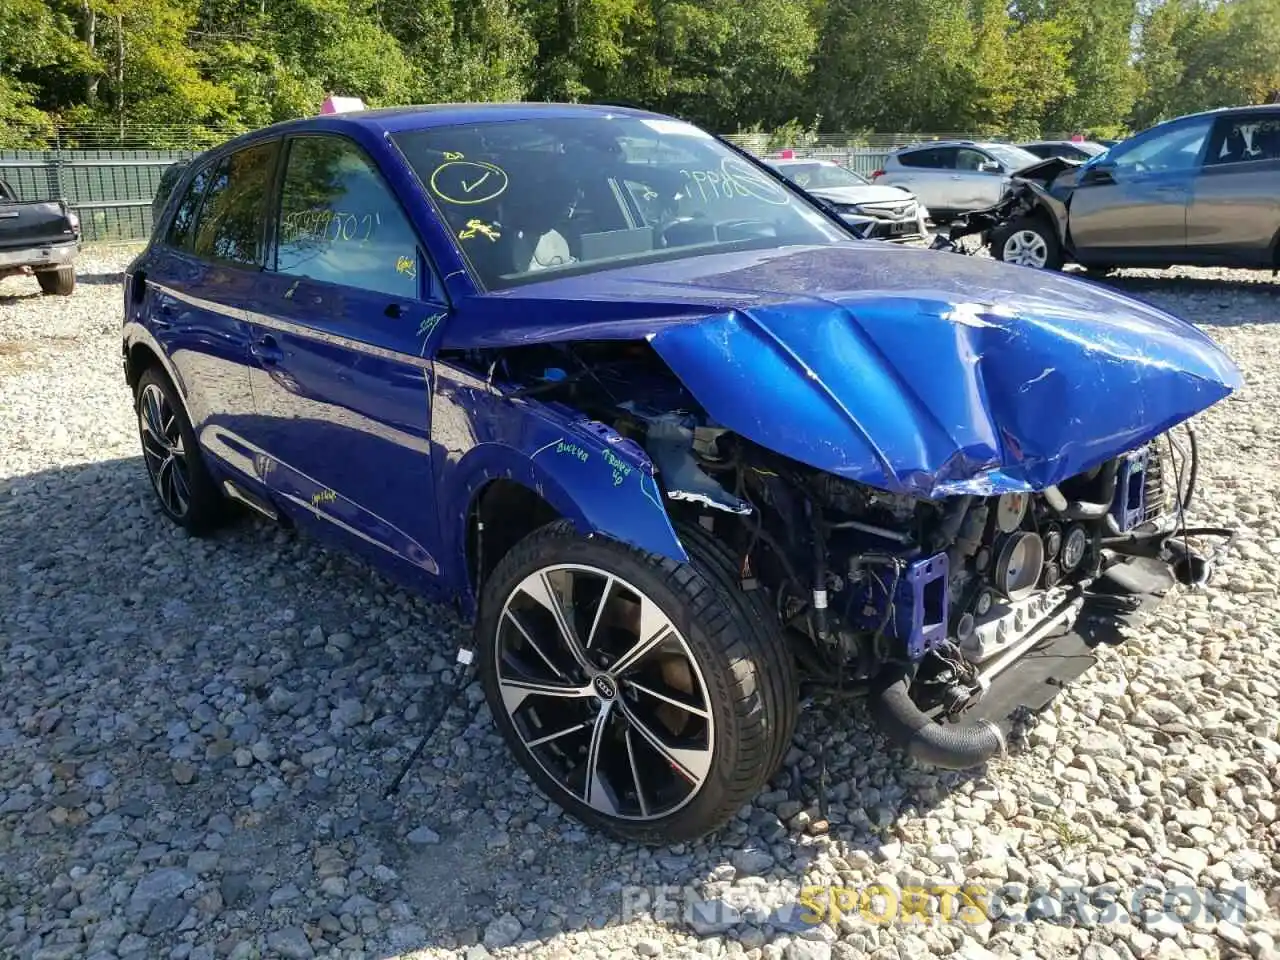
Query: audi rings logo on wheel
x,y
605,688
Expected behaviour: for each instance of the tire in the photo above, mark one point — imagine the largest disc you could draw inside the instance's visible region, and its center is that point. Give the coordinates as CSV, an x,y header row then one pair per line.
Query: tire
x,y
60,281
720,688
187,493
1027,242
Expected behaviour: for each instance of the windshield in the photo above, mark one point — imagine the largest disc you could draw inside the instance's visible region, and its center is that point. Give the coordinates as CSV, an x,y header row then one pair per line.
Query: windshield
x,y
816,176
1091,148
1013,158
536,197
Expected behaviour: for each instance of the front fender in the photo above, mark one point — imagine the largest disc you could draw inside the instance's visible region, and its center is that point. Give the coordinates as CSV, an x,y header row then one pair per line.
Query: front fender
x,y
1053,208
592,476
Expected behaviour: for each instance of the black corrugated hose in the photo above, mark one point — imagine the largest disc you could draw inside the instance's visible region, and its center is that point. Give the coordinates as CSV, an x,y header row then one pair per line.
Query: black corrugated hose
x,y
950,746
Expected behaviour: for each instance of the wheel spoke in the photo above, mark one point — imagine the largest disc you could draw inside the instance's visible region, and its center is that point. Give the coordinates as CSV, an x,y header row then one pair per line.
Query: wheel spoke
x,y
595,621
635,774
538,587
181,488
515,692
584,725
528,638
596,792
152,446
691,764
654,628
666,698
155,422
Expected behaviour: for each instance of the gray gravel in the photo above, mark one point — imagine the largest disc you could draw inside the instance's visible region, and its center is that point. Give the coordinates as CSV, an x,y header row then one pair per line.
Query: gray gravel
x,y
194,734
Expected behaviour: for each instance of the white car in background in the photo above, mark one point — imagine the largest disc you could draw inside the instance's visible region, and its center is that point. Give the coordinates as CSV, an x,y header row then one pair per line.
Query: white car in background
x,y
874,211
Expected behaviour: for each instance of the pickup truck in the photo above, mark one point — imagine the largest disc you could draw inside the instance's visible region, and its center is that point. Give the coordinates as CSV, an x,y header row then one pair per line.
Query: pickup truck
x,y
40,237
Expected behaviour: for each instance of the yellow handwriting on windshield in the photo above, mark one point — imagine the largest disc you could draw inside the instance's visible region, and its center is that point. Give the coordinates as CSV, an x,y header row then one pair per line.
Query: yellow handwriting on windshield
x,y
479,228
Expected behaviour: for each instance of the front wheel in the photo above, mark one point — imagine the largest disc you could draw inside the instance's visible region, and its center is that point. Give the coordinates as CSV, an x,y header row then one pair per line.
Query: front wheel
x,y
1027,242
649,698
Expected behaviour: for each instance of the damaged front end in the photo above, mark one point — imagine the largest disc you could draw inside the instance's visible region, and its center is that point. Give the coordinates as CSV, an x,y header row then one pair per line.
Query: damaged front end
x,y
1040,189
922,602
926,603
925,477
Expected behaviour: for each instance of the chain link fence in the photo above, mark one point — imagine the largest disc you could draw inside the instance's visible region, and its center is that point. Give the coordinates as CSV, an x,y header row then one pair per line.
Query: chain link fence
x,y
109,174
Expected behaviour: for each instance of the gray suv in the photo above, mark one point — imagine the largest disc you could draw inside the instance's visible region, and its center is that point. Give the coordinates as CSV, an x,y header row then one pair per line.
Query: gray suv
x,y
1201,190
953,177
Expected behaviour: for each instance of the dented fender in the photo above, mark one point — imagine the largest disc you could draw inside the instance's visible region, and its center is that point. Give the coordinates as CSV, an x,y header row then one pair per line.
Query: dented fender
x,y
600,481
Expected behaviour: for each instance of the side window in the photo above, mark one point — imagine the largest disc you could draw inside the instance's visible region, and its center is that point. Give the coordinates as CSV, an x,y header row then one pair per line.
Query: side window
x,y
231,219
180,227
1244,139
971,160
1171,150
919,158
340,223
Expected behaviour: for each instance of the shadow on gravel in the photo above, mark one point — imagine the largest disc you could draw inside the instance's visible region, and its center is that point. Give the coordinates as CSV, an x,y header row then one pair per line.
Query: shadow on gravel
x,y
208,726
13,294
113,278
1223,296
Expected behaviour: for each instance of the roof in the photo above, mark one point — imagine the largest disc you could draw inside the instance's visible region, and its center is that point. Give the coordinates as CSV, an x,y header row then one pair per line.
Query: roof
x,y
930,144
1248,108
397,119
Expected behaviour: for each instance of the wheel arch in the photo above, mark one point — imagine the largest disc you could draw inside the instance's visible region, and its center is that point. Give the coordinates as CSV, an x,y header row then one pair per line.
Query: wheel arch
x,y
499,484
141,351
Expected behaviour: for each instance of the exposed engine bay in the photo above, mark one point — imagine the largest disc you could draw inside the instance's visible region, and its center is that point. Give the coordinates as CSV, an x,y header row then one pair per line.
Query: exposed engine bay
x,y
923,601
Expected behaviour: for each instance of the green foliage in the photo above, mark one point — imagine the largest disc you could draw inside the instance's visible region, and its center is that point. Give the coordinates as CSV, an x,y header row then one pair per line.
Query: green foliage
x,y
197,70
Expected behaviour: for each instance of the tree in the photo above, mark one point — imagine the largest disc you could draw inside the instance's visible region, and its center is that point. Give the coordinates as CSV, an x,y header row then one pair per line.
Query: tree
x,y
1195,56
1103,81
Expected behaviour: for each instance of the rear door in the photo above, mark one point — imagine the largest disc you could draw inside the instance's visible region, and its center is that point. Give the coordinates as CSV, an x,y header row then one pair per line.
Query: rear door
x,y
1131,204
1234,214
342,376
928,174
198,278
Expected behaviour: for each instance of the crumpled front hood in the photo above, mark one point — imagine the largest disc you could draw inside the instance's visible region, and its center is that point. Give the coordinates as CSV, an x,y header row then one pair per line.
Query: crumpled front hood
x,y
910,370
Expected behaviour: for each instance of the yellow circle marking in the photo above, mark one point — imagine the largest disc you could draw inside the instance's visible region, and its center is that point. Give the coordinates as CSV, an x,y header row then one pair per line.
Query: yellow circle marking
x,y
468,182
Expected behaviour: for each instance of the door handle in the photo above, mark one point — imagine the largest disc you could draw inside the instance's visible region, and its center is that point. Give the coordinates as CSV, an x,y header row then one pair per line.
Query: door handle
x,y
266,350
957,177
163,316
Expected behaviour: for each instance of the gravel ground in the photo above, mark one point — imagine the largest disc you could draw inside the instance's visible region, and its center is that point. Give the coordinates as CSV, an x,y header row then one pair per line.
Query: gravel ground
x,y
194,735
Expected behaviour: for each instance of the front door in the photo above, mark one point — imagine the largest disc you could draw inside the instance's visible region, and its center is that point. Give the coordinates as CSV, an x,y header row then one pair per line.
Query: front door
x,y
1131,205
341,377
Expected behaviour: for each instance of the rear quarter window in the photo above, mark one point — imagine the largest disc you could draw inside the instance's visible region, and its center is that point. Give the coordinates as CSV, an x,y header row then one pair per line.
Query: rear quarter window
x,y
184,218
919,158
1245,139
